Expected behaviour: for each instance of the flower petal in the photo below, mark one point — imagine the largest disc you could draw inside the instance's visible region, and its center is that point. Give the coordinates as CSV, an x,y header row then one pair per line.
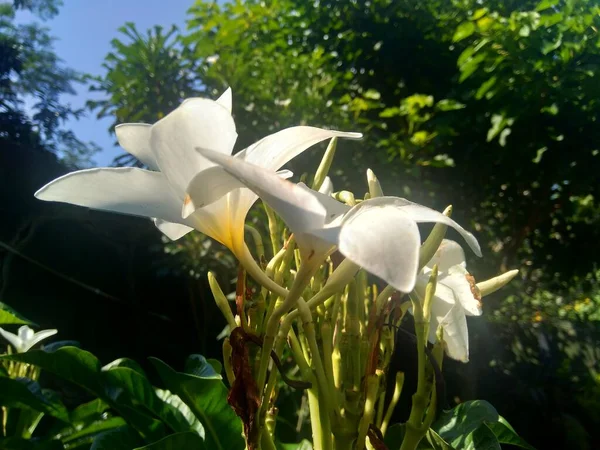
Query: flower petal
x,y
454,323
225,100
327,187
384,241
172,230
210,185
449,254
273,151
12,338
420,213
465,290
197,122
300,209
38,337
135,139
124,190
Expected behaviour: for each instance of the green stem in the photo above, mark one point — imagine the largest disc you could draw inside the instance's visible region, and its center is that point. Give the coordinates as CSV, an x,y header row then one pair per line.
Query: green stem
x,y
273,234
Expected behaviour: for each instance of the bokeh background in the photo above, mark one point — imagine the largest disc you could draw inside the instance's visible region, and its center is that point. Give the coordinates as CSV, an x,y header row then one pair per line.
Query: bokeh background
x,y
492,106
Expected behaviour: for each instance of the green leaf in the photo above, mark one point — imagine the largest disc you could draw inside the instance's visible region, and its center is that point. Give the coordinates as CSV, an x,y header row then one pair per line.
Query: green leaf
x,y
449,105
545,4
463,31
123,438
506,434
81,436
470,66
539,154
372,94
83,368
199,366
436,441
26,393
207,398
481,439
178,441
549,46
9,316
485,87
456,425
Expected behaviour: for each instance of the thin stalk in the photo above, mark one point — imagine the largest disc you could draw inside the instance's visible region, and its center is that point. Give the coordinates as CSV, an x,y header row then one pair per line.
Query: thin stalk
x,y
395,397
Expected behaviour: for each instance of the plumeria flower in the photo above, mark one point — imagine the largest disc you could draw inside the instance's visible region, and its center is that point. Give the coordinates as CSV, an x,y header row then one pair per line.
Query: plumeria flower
x,y
456,296
25,338
380,234
183,190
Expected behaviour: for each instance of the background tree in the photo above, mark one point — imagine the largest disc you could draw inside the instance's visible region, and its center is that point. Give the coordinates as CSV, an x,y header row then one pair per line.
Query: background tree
x,y
32,81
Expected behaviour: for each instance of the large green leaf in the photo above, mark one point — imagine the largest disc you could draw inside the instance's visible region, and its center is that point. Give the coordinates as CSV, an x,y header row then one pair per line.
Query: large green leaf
x,y
123,438
128,386
506,434
9,316
76,437
481,438
207,398
84,369
26,393
455,425
178,441
476,425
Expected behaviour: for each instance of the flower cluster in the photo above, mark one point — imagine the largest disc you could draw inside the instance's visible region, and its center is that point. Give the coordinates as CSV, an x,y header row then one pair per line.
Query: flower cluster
x,y
317,301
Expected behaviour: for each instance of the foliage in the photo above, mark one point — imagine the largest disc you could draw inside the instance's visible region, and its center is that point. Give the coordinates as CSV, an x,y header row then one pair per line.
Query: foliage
x,y
32,80
146,76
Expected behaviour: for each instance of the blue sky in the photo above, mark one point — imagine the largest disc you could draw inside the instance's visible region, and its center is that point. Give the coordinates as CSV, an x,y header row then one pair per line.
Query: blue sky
x,y
84,29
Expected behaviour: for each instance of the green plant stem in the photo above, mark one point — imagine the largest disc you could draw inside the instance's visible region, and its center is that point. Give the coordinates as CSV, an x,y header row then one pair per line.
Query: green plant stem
x,y
395,397
415,428
369,410
273,234
258,241
302,278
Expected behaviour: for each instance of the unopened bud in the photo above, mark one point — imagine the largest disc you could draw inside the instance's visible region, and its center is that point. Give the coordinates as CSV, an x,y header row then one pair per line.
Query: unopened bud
x,y
374,186
325,165
493,284
221,300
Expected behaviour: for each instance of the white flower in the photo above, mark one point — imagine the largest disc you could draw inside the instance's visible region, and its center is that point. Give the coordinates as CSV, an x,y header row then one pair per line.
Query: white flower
x,y
456,296
25,338
380,234
180,180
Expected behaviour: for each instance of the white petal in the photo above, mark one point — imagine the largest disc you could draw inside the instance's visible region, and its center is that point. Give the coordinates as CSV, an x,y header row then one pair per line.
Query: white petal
x,y
39,337
454,323
210,185
384,241
420,213
449,254
25,333
327,187
275,150
300,209
197,122
456,334
12,338
225,100
124,190
465,291
135,139
172,230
